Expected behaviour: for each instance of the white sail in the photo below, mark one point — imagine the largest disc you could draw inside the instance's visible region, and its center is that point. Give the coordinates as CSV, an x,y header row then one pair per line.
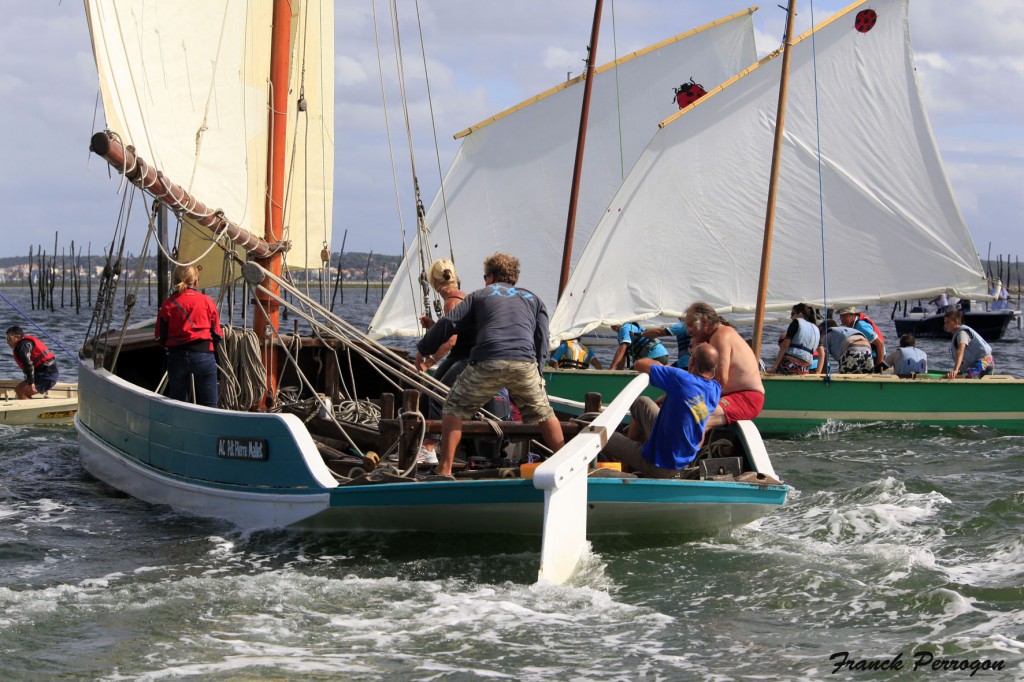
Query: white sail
x,y
688,221
508,187
187,85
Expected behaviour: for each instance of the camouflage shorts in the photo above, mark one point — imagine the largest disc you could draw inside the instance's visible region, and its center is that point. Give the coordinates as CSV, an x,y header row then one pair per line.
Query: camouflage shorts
x,y
856,362
484,378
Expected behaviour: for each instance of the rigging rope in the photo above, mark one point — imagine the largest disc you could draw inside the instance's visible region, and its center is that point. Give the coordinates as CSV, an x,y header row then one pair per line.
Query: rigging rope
x,y
821,191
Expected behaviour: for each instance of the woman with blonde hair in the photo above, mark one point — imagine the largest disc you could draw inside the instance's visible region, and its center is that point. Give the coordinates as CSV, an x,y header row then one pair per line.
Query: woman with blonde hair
x,y
188,327
453,355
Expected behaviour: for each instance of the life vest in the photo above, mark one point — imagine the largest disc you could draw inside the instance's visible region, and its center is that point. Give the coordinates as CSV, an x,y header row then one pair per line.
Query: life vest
x,y
878,332
39,356
575,356
640,346
911,360
804,344
977,347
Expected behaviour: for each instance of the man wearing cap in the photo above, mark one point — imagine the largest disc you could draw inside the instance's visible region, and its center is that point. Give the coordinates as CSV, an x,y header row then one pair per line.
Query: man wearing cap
x,y
854,319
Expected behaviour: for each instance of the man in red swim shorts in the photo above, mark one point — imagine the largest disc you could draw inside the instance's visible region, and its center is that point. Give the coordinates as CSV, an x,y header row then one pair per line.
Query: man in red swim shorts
x,y
738,371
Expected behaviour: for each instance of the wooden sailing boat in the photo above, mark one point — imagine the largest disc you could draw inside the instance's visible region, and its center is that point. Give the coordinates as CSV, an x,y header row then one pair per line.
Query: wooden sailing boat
x,y
892,230
302,462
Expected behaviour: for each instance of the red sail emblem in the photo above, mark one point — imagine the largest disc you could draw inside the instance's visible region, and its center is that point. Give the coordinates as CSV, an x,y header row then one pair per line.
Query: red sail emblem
x,y
865,20
688,93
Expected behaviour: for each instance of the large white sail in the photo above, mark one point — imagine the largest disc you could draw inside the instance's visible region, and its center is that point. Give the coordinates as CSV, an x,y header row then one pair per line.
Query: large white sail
x,y
688,221
187,84
508,187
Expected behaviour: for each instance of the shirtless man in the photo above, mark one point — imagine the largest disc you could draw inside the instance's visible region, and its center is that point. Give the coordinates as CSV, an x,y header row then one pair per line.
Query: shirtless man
x,y
742,390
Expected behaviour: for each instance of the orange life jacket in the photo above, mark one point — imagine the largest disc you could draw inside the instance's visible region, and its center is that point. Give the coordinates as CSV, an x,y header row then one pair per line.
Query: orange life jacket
x,y
40,353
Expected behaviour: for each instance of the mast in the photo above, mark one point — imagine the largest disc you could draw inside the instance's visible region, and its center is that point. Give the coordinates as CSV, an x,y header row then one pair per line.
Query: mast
x,y
773,183
267,313
577,170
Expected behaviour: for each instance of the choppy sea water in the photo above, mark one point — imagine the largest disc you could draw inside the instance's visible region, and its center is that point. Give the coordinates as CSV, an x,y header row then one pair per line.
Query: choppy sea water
x,y
897,543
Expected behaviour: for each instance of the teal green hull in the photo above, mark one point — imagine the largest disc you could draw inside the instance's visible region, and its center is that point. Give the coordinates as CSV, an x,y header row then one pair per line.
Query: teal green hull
x,y
168,452
800,404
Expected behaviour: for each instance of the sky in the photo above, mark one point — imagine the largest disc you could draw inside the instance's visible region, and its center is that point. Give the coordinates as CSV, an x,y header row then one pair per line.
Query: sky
x,y
482,57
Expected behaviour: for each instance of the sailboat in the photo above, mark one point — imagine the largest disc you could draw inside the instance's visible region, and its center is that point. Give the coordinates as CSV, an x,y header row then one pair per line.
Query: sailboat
x,y
192,121
885,226
506,189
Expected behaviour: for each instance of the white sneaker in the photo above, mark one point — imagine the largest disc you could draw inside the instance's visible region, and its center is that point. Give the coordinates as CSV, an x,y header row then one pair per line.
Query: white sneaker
x,y
425,456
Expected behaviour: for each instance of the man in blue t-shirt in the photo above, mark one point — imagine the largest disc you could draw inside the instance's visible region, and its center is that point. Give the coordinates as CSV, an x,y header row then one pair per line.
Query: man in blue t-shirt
x,y
662,441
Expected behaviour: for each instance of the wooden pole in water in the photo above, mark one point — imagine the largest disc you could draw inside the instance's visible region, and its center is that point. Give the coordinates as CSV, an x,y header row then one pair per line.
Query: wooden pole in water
x,y
63,275
78,278
581,140
88,275
31,287
53,272
773,184
366,276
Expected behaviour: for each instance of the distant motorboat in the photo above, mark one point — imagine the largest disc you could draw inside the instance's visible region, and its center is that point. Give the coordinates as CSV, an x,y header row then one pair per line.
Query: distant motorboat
x,y
991,324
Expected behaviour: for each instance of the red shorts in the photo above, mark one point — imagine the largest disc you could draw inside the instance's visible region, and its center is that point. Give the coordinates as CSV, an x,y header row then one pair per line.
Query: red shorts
x,y
741,405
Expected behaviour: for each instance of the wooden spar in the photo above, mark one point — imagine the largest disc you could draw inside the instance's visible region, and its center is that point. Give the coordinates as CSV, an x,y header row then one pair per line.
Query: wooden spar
x,y
144,176
577,171
773,184
266,317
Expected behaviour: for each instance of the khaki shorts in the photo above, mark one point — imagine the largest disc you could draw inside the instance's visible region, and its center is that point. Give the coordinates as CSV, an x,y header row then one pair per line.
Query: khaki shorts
x,y
482,379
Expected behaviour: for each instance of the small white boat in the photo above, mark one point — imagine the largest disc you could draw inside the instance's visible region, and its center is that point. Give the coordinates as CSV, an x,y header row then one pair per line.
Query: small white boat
x,y
57,406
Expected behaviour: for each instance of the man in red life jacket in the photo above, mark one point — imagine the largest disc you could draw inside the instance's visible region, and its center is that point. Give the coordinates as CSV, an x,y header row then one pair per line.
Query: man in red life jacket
x,y
35,360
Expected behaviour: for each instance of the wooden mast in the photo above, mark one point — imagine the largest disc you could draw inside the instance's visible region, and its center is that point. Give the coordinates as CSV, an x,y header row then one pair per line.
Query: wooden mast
x,y
577,171
769,220
267,313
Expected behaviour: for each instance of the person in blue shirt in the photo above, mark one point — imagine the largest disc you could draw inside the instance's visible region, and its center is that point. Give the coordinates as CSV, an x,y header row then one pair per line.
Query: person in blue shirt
x,y
662,441
683,340
510,351
855,319
633,346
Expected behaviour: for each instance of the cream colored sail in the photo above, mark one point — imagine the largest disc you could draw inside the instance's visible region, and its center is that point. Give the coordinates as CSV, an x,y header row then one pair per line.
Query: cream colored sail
x,y
187,84
687,223
508,187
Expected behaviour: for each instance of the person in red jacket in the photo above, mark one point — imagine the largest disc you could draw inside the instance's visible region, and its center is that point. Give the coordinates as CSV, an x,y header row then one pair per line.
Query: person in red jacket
x,y
188,327
35,360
